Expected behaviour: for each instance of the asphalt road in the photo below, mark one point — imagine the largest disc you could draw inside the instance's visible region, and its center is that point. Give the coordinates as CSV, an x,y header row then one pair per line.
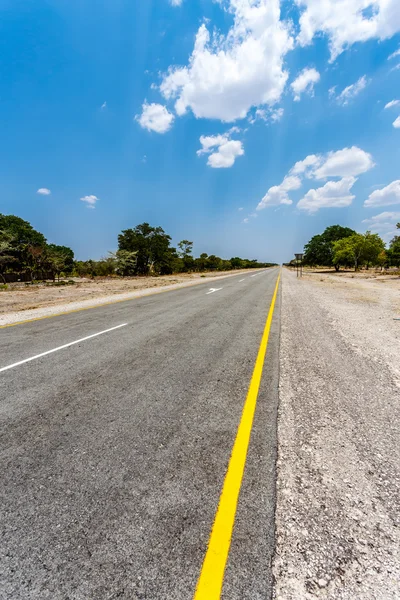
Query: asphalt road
x,y
114,449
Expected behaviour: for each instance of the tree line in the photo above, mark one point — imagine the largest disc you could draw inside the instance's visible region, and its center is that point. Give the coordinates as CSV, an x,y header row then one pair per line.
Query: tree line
x,y
343,247
25,254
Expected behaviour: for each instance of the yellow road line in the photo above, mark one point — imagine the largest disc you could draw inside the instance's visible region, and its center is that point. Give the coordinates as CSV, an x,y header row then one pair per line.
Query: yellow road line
x,y
209,585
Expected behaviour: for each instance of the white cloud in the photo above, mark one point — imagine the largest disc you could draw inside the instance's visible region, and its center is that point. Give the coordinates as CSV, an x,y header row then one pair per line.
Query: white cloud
x,y
276,115
228,74
176,2
305,166
396,123
90,201
155,117
384,224
103,106
44,192
241,208
278,194
222,150
344,163
394,54
383,217
346,22
385,196
208,142
334,194
269,115
246,220
305,82
351,91
392,103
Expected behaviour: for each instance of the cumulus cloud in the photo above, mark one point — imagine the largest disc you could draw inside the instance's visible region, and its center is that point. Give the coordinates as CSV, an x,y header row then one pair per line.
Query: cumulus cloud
x,y
384,224
44,191
307,165
396,123
228,74
155,117
344,163
305,82
392,103
334,194
221,149
351,91
385,196
347,164
90,201
346,22
278,194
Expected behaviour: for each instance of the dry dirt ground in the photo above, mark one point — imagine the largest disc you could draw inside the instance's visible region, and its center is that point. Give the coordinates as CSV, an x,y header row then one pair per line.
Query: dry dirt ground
x,y
21,297
338,488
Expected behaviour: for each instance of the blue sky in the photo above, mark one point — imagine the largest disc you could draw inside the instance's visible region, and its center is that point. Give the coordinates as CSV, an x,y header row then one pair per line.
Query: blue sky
x,y
182,113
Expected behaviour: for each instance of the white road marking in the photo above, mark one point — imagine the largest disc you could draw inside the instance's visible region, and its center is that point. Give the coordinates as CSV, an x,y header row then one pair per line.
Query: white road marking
x,y
88,337
212,290
240,280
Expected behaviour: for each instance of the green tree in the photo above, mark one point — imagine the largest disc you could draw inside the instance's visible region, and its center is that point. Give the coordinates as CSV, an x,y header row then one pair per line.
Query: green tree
x,y
27,243
236,262
319,250
185,254
201,262
152,245
358,249
213,262
185,248
374,245
59,259
394,250
22,231
6,252
126,262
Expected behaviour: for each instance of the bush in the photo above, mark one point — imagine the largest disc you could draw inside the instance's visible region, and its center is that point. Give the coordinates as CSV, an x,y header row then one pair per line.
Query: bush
x,y
59,283
3,287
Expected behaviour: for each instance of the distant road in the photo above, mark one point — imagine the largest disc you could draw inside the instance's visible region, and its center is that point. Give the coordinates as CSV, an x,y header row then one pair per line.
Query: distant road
x,y
117,427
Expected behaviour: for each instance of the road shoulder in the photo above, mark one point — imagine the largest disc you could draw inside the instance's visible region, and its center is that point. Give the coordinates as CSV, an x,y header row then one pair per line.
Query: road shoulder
x,y
338,450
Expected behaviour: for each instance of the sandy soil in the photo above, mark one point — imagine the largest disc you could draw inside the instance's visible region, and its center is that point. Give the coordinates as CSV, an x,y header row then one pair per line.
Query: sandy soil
x,y
338,484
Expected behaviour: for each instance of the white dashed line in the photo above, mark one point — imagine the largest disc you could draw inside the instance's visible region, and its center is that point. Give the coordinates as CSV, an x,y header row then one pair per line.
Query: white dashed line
x,y
88,337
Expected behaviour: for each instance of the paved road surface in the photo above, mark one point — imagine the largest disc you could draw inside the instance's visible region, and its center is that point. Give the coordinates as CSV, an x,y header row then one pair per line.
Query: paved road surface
x,y
114,449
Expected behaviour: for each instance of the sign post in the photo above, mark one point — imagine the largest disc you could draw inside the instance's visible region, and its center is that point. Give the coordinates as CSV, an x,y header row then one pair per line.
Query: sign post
x,y
299,263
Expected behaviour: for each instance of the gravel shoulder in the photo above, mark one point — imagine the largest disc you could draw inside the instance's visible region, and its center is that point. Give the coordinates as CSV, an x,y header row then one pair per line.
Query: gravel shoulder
x,y
23,303
338,487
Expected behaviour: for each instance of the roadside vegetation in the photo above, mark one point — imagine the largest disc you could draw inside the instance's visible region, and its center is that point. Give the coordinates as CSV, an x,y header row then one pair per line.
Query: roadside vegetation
x,y
342,247
25,255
